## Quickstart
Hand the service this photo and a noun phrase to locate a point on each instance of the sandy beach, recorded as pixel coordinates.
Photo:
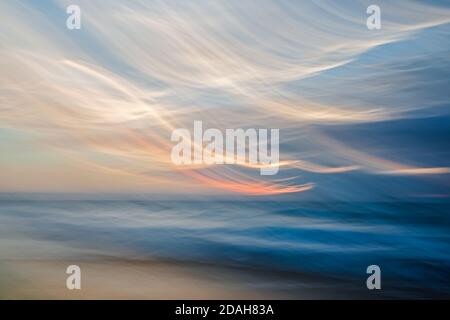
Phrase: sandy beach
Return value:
(121, 279)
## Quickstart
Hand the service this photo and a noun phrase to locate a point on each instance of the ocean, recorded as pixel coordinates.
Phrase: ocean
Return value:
(265, 249)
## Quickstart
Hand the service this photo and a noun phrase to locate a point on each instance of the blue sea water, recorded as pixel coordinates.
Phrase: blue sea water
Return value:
(333, 242)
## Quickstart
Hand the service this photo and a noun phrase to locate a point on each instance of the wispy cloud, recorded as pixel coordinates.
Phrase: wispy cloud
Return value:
(107, 97)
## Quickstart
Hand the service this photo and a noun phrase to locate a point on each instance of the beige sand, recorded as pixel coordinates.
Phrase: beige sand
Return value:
(125, 279)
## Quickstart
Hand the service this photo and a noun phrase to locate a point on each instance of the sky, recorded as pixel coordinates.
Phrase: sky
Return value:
(363, 114)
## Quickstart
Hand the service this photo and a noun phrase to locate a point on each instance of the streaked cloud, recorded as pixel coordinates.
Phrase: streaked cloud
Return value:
(104, 100)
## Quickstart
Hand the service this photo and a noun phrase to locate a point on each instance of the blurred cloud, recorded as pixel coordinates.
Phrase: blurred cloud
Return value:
(102, 102)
